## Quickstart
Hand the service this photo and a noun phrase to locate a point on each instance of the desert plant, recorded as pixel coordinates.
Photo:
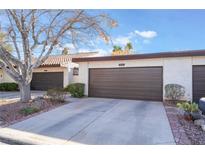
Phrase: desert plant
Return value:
(76, 89)
(174, 92)
(188, 106)
(8, 86)
(191, 110)
(28, 110)
(56, 94)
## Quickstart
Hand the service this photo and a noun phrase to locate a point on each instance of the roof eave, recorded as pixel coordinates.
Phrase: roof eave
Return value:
(50, 65)
(143, 56)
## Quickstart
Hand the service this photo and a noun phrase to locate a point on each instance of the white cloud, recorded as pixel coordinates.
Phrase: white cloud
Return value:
(101, 52)
(123, 40)
(146, 34)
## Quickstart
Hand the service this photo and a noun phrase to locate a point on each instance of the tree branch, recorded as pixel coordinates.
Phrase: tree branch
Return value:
(14, 75)
(11, 30)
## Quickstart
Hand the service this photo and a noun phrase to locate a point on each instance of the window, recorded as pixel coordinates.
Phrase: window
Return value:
(75, 71)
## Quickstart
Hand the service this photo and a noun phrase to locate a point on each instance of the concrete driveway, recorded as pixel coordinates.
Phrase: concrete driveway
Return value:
(103, 121)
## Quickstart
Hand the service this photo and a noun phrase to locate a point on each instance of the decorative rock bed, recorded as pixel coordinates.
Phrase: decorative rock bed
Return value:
(199, 122)
(10, 112)
(185, 132)
(177, 129)
(194, 133)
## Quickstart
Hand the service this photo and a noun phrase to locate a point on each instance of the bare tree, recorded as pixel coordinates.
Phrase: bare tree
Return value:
(35, 34)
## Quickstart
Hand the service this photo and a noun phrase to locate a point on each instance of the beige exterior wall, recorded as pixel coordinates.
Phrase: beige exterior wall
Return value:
(175, 70)
(179, 71)
(83, 75)
(72, 79)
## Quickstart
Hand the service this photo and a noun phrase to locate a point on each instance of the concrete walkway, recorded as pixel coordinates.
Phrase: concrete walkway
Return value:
(103, 121)
(15, 96)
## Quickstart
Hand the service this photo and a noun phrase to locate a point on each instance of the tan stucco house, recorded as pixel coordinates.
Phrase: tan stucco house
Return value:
(137, 76)
(56, 71)
(143, 76)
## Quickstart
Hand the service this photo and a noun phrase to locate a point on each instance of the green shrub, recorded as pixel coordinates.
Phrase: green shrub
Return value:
(188, 106)
(76, 89)
(29, 110)
(56, 94)
(174, 92)
(8, 86)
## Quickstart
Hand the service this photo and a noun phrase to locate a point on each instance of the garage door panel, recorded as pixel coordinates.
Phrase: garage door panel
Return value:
(198, 82)
(129, 83)
(199, 93)
(113, 87)
(133, 89)
(138, 78)
(129, 96)
(47, 80)
(119, 77)
(123, 82)
(119, 73)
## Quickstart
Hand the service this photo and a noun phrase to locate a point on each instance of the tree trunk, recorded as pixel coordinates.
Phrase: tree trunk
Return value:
(25, 92)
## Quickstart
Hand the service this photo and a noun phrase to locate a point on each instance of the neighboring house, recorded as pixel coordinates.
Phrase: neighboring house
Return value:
(56, 71)
(143, 76)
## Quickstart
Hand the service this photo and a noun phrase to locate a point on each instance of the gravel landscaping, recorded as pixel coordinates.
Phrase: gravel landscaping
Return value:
(184, 132)
(11, 112)
(194, 133)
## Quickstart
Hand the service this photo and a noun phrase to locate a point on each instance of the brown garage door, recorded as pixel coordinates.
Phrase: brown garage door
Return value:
(47, 80)
(143, 83)
(198, 82)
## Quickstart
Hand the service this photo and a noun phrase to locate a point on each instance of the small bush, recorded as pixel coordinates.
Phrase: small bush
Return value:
(174, 92)
(76, 89)
(8, 86)
(188, 106)
(56, 94)
(29, 110)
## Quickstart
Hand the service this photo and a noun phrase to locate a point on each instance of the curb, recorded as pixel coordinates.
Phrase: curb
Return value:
(16, 137)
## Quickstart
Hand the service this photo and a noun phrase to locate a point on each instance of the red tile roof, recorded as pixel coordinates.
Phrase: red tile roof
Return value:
(60, 60)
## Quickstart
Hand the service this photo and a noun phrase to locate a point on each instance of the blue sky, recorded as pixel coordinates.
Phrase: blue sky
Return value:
(156, 30)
